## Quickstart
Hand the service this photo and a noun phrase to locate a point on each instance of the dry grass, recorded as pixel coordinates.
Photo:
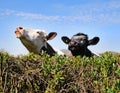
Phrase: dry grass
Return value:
(43, 74)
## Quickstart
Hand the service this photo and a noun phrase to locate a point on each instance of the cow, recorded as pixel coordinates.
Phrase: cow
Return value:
(36, 40)
(78, 44)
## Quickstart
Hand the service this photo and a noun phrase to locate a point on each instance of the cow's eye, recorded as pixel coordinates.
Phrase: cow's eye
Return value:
(83, 39)
(38, 32)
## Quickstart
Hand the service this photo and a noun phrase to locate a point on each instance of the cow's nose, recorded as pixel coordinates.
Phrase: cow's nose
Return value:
(20, 27)
(73, 43)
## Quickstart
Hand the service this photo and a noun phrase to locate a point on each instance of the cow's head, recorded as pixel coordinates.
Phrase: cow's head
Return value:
(33, 40)
(79, 42)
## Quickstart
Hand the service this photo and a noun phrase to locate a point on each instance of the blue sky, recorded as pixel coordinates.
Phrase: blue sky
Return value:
(66, 17)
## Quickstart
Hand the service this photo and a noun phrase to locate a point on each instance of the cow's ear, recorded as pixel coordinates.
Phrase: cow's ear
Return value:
(51, 35)
(65, 39)
(93, 41)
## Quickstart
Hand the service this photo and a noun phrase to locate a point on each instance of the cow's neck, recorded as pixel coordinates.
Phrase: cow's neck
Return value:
(29, 45)
(82, 52)
(48, 49)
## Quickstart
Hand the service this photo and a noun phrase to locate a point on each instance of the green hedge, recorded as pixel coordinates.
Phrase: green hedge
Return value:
(44, 74)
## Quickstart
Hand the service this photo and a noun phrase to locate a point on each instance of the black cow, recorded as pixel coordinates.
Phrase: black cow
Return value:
(78, 44)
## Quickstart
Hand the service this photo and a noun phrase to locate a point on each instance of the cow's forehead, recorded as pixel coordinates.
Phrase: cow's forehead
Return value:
(78, 37)
(28, 30)
(39, 30)
(35, 30)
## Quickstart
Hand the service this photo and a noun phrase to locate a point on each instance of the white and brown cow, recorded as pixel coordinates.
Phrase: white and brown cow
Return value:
(36, 40)
(78, 44)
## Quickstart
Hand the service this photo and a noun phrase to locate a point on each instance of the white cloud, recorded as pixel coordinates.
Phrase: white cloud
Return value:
(6, 12)
(90, 13)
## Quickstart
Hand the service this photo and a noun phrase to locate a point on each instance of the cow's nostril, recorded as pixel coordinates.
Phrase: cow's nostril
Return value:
(20, 27)
(73, 43)
(16, 31)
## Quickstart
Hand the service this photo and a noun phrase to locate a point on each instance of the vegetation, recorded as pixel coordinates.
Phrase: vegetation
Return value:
(44, 74)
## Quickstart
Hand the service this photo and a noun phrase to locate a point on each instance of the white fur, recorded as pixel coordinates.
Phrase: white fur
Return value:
(33, 40)
(58, 51)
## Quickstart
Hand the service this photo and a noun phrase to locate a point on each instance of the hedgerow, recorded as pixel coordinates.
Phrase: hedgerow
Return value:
(59, 74)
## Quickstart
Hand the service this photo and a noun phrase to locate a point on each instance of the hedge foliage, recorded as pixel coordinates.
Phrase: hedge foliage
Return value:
(59, 74)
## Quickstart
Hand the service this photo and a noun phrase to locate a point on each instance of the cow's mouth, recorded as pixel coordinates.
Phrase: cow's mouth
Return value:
(72, 48)
(18, 34)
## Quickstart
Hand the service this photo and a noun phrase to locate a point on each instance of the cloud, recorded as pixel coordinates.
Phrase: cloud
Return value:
(107, 12)
(8, 12)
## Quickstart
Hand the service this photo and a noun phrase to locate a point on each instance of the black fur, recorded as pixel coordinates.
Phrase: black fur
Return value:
(78, 44)
(48, 49)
